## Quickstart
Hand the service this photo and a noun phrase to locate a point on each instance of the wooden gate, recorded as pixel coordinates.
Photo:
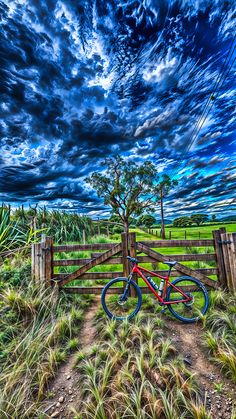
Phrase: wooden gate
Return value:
(223, 245)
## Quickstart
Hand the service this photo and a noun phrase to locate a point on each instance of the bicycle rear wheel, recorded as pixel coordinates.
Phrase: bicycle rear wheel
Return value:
(188, 312)
(121, 299)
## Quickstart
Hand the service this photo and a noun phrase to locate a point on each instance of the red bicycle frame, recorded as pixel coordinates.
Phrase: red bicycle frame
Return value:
(138, 269)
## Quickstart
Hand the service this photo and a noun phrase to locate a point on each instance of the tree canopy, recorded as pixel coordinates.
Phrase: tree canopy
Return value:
(146, 220)
(127, 187)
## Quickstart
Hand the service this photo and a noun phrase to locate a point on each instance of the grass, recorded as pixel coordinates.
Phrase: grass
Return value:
(220, 336)
(132, 372)
(136, 373)
(193, 232)
(38, 331)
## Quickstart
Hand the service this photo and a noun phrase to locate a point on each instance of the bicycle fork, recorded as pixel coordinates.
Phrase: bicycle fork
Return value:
(124, 296)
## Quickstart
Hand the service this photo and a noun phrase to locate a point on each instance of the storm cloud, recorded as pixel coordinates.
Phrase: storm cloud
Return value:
(83, 80)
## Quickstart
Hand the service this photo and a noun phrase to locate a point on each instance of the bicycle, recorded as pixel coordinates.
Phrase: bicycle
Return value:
(186, 297)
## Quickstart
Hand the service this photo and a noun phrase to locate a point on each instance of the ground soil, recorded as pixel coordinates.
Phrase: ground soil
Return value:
(189, 343)
(65, 383)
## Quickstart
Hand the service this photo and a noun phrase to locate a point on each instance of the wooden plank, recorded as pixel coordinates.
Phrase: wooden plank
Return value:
(178, 243)
(104, 256)
(219, 258)
(79, 247)
(179, 267)
(180, 258)
(114, 290)
(233, 261)
(132, 245)
(153, 243)
(224, 238)
(109, 275)
(93, 276)
(38, 255)
(230, 249)
(80, 262)
(42, 269)
(90, 290)
(48, 260)
(125, 253)
(33, 261)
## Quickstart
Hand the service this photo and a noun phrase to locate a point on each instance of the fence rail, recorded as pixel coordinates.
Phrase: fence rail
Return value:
(46, 262)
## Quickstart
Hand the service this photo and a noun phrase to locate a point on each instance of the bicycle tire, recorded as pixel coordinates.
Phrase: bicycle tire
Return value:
(171, 290)
(104, 295)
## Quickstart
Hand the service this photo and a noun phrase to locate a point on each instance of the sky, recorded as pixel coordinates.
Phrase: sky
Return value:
(145, 79)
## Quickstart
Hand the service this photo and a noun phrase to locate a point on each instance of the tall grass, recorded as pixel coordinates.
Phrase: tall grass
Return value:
(10, 234)
(61, 225)
(20, 227)
(220, 337)
(37, 333)
(13, 233)
(135, 373)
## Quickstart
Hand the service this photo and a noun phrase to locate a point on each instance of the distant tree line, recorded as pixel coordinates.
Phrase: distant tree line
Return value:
(196, 219)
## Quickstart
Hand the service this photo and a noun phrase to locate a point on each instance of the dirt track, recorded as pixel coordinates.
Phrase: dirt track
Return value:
(189, 343)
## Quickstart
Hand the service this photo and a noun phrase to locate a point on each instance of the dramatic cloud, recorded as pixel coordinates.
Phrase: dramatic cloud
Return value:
(82, 80)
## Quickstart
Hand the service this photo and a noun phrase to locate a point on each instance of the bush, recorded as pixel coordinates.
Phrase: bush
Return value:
(15, 275)
(117, 229)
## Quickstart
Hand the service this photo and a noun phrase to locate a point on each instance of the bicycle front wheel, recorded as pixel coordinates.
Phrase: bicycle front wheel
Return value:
(121, 299)
(188, 312)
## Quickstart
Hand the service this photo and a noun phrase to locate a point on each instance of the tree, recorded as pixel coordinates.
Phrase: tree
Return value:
(128, 188)
(213, 217)
(163, 188)
(199, 218)
(146, 220)
(182, 222)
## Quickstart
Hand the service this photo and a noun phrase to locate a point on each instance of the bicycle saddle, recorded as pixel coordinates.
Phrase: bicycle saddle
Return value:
(170, 263)
(132, 259)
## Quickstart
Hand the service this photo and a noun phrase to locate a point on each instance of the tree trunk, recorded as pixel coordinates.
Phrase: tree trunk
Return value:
(163, 236)
(126, 226)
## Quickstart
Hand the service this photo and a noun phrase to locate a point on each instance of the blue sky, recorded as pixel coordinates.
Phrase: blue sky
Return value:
(83, 80)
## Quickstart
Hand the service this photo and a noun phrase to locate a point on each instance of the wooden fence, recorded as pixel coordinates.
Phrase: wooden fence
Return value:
(221, 251)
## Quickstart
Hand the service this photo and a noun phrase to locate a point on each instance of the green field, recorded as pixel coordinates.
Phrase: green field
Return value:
(205, 231)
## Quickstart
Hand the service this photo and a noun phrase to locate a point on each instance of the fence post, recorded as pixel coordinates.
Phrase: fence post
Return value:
(84, 237)
(35, 261)
(229, 249)
(46, 260)
(219, 258)
(132, 245)
(125, 253)
(233, 260)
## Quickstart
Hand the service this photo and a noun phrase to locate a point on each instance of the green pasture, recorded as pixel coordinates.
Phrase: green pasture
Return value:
(193, 232)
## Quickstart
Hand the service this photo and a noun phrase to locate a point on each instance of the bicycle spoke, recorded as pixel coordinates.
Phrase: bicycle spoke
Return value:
(193, 308)
(121, 304)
